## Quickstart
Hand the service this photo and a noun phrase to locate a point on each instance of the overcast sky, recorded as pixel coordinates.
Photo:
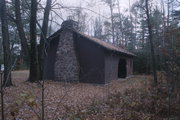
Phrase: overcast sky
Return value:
(95, 5)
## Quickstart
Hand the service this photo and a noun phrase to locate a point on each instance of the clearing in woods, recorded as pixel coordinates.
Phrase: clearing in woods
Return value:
(24, 98)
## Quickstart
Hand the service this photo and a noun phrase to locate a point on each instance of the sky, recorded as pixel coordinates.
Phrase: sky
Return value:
(97, 6)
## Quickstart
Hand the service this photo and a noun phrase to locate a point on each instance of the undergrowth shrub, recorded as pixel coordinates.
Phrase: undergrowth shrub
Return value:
(135, 104)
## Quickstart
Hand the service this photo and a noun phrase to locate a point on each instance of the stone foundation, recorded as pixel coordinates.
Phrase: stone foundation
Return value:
(66, 65)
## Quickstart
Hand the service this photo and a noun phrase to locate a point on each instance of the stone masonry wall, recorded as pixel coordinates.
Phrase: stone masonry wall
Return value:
(66, 65)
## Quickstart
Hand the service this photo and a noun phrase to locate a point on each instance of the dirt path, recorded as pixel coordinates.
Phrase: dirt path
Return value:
(60, 96)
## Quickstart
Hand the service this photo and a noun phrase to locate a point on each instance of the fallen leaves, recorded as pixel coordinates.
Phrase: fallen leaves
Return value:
(62, 100)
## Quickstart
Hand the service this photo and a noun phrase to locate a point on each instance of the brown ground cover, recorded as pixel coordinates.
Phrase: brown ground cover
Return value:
(23, 100)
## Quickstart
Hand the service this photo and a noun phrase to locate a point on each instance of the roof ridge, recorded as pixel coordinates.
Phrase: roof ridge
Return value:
(106, 44)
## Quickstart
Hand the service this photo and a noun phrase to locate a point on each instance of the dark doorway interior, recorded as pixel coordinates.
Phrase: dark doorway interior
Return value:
(122, 68)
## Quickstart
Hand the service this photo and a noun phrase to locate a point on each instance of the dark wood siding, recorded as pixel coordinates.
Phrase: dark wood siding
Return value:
(50, 59)
(91, 60)
(129, 66)
(111, 66)
(97, 64)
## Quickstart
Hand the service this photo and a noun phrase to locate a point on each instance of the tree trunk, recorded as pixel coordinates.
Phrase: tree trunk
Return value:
(151, 43)
(34, 72)
(120, 20)
(168, 12)
(112, 21)
(1, 51)
(24, 44)
(43, 38)
(6, 45)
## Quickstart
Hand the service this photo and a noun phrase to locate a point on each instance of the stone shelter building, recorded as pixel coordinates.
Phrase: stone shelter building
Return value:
(75, 56)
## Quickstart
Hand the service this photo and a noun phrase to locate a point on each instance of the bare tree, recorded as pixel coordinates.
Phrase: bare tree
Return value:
(2, 95)
(120, 20)
(34, 69)
(110, 3)
(98, 28)
(6, 45)
(1, 50)
(151, 42)
(43, 37)
(24, 44)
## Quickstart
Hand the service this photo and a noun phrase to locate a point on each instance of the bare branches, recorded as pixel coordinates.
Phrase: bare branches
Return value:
(178, 1)
(57, 14)
(139, 5)
(72, 8)
(51, 21)
(12, 18)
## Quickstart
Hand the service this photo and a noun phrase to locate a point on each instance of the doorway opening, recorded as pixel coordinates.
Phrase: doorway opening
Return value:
(122, 72)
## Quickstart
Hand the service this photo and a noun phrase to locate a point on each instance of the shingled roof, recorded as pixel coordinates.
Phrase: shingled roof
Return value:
(106, 45)
(102, 43)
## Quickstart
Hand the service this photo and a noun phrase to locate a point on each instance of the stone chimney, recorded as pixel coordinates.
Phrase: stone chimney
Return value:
(71, 24)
